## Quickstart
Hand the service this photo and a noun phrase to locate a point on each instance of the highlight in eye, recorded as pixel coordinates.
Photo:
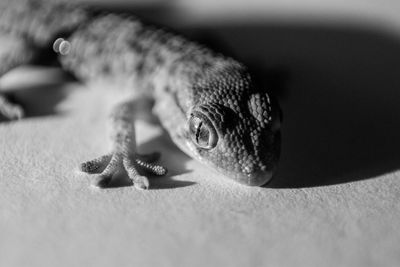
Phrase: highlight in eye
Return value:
(202, 131)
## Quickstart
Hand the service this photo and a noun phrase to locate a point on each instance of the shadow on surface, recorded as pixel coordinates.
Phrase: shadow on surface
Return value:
(341, 108)
(171, 157)
(156, 183)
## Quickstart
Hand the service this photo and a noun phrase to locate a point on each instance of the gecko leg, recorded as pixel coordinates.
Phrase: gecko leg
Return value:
(10, 111)
(14, 51)
(124, 157)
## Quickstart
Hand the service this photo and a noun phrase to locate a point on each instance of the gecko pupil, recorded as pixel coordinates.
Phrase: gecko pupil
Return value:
(198, 126)
(201, 133)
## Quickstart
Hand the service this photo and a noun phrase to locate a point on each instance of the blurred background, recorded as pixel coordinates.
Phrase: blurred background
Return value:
(208, 12)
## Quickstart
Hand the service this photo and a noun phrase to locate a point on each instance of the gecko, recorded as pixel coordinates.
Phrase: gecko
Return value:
(210, 104)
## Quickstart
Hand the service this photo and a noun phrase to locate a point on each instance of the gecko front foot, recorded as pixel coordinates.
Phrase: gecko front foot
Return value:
(10, 111)
(134, 166)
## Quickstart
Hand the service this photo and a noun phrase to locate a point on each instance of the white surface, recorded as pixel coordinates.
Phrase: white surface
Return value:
(50, 216)
(340, 135)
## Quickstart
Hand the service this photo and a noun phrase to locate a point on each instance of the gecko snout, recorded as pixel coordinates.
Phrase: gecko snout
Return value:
(256, 178)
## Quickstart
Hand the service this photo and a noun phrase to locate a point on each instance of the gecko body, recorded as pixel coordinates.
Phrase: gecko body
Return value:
(208, 103)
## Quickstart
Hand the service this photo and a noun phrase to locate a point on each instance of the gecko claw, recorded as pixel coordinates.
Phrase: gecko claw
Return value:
(142, 183)
(110, 165)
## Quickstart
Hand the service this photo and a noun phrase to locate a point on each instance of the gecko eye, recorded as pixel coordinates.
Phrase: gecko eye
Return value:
(62, 46)
(202, 131)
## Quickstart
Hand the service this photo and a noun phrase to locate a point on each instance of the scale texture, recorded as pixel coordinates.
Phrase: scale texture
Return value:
(209, 104)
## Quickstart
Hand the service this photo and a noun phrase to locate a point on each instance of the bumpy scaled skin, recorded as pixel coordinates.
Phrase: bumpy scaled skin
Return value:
(208, 103)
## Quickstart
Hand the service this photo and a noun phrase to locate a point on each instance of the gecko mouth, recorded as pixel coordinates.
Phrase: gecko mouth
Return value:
(254, 178)
(257, 178)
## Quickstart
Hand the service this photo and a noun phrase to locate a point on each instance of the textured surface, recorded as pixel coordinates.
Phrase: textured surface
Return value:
(51, 216)
(341, 126)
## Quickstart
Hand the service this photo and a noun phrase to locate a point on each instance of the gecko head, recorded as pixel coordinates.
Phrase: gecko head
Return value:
(236, 129)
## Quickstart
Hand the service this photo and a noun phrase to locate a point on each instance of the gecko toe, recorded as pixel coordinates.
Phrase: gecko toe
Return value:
(108, 166)
(96, 165)
(150, 168)
(141, 182)
(10, 111)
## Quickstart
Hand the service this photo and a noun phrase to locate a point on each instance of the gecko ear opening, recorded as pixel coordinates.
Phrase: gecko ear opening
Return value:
(202, 131)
